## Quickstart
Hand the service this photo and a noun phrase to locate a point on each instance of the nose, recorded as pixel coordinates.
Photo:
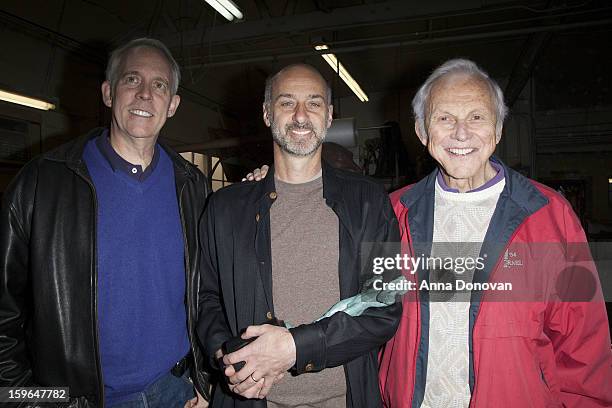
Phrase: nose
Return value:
(300, 115)
(144, 91)
(461, 133)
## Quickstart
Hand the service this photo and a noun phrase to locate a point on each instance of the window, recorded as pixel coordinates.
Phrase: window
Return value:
(198, 159)
(208, 164)
(218, 178)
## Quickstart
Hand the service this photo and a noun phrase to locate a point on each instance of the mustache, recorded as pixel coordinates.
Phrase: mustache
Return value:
(299, 126)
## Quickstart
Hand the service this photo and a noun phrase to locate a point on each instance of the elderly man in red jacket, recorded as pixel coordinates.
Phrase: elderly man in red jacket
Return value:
(542, 341)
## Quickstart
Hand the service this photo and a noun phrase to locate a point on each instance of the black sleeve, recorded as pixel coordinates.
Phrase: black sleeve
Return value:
(15, 365)
(340, 338)
(213, 329)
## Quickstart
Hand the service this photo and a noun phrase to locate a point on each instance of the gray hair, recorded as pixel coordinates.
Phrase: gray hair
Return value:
(459, 67)
(117, 55)
(272, 78)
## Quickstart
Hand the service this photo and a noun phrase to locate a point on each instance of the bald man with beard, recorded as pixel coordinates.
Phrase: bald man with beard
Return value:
(287, 248)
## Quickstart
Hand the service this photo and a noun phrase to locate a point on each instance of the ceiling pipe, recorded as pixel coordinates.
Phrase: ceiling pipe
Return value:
(382, 38)
(395, 44)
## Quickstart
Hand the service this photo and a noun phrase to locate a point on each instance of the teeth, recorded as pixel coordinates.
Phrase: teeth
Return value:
(142, 113)
(461, 152)
(301, 132)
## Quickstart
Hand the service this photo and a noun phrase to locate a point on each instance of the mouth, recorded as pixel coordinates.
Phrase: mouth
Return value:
(301, 132)
(141, 113)
(460, 152)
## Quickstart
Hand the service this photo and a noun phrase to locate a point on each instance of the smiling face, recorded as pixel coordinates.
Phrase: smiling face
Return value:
(298, 114)
(460, 123)
(142, 100)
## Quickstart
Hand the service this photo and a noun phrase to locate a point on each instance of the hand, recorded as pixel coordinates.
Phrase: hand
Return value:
(257, 389)
(257, 174)
(197, 402)
(251, 392)
(267, 359)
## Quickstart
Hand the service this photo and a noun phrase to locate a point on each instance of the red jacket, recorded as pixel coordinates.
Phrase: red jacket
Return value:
(532, 351)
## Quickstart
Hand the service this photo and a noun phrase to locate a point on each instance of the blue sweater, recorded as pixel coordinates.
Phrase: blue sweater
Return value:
(141, 275)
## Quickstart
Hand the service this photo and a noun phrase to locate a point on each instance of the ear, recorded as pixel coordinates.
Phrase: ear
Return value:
(106, 94)
(422, 138)
(498, 138)
(266, 116)
(174, 104)
(330, 116)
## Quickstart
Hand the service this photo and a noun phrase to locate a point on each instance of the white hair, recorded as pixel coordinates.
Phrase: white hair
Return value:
(117, 56)
(458, 67)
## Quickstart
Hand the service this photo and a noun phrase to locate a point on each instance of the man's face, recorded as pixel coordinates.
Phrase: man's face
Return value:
(142, 99)
(460, 123)
(298, 115)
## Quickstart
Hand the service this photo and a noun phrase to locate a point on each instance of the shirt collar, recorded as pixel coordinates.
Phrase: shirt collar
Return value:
(118, 163)
(498, 177)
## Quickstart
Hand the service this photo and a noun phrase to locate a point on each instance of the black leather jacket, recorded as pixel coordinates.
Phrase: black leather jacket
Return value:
(48, 273)
(237, 280)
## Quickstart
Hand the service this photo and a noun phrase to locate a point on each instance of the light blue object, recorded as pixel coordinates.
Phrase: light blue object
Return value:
(356, 305)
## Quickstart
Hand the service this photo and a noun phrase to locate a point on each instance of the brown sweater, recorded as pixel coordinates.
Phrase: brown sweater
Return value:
(304, 235)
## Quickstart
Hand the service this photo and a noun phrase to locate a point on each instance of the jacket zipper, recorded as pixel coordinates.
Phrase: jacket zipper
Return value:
(95, 288)
(472, 403)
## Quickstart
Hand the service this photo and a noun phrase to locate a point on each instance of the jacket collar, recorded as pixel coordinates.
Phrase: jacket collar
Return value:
(518, 188)
(331, 185)
(521, 190)
(72, 153)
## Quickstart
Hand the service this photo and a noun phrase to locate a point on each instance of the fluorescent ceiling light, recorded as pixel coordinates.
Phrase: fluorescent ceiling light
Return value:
(25, 101)
(343, 73)
(227, 8)
(232, 8)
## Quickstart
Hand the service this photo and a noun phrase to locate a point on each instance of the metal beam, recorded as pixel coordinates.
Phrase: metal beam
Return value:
(339, 18)
(525, 65)
(170, 23)
(262, 9)
(445, 39)
(53, 37)
(290, 7)
(94, 55)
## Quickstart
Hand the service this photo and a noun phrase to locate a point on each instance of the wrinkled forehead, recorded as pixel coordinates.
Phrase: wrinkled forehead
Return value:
(457, 88)
(146, 60)
(299, 81)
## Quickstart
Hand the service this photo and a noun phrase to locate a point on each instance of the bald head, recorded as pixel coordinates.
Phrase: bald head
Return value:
(294, 69)
(297, 110)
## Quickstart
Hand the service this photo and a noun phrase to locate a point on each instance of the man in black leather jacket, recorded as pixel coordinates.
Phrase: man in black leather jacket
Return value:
(79, 303)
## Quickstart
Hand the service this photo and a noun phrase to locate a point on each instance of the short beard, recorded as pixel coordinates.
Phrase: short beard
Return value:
(297, 149)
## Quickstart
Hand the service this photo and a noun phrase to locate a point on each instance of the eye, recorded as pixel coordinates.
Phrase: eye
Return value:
(132, 79)
(286, 104)
(315, 104)
(160, 86)
(477, 116)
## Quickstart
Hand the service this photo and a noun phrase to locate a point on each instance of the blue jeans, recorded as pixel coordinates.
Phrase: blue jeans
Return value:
(167, 392)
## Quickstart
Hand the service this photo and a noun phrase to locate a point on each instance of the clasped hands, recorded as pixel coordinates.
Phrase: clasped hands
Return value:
(267, 360)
